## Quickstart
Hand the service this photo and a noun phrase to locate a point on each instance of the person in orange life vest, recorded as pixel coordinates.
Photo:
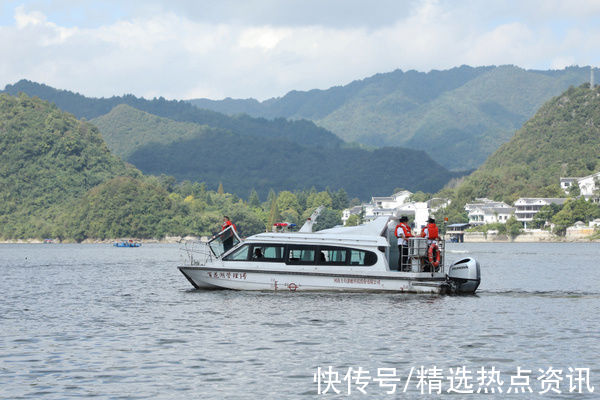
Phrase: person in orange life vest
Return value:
(226, 223)
(403, 232)
(228, 241)
(430, 231)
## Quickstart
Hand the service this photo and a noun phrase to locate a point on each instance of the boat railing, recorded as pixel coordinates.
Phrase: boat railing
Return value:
(418, 259)
(198, 252)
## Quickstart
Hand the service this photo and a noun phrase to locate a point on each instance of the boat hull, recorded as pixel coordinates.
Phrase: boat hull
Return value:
(214, 278)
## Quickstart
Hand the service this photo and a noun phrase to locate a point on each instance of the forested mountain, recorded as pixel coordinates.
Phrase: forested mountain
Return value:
(241, 163)
(126, 129)
(48, 158)
(459, 116)
(562, 139)
(302, 132)
(59, 180)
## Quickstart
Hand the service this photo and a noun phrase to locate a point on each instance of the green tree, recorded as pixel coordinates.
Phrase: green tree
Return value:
(253, 200)
(287, 200)
(574, 190)
(339, 200)
(353, 220)
(419, 196)
(319, 199)
(328, 219)
(274, 215)
(545, 215)
(513, 227)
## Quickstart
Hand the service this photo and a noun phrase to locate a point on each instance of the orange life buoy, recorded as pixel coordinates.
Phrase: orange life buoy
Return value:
(434, 247)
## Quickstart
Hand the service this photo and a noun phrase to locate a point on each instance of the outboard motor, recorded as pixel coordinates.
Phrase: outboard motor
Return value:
(464, 276)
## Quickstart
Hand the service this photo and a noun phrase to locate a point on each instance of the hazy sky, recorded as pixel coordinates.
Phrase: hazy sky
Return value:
(265, 48)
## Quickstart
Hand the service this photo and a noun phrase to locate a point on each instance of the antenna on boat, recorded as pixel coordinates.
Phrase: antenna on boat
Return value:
(307, 227)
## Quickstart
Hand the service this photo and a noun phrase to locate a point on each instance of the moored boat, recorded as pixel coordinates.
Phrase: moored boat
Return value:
(360, 258)
(127, 243)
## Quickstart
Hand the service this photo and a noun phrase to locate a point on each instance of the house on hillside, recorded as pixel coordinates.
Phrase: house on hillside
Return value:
(485, 211)
(527, 207)
(393, 201)
(588, 186)
(436, 203)
(356, 210)
(378, 206)
(381, 206)
(483, 202)
(397, 204)
(567, 183)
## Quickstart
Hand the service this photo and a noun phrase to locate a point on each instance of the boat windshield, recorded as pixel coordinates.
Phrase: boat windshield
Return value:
(224, 241)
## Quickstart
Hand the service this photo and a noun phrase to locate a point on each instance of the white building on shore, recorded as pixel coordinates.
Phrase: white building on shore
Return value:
(356, 210)
(588, 186)
(396, 204)
(485, 211)
(393, 201)
(527, 207)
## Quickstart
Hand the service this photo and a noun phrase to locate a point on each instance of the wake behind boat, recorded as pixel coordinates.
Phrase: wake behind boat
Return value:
(358, 258)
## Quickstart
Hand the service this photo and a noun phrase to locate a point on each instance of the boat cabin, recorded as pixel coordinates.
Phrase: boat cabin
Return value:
(361, 246)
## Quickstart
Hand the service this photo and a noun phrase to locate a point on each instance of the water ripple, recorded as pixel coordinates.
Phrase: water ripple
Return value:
(92, 321)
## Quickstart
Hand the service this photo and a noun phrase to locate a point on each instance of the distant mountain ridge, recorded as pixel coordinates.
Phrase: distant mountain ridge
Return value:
(243, 153)
(459, 116)
(189, 151)
(302, 132)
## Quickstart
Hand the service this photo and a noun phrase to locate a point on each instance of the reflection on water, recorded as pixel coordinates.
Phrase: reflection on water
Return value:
(93, 320)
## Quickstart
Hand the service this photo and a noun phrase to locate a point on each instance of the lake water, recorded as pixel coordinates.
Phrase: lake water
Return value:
(104, 322)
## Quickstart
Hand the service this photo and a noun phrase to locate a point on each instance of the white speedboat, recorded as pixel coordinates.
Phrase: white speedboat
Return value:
(360, 258)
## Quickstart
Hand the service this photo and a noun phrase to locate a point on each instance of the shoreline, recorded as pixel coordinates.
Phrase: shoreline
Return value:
(537, 236)
(165, 240)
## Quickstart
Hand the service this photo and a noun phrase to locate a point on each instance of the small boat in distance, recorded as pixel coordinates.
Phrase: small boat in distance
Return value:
(358, 258)
(127, 243)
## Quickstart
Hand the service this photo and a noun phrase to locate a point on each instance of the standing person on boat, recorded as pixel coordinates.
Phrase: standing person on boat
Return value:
(430, 231)
(228, 241)
(403, 232)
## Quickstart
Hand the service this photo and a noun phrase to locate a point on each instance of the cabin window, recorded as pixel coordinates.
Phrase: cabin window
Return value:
(240, 254)
(301, 255)
(361, 257)
(332, 256)
(267, 252)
